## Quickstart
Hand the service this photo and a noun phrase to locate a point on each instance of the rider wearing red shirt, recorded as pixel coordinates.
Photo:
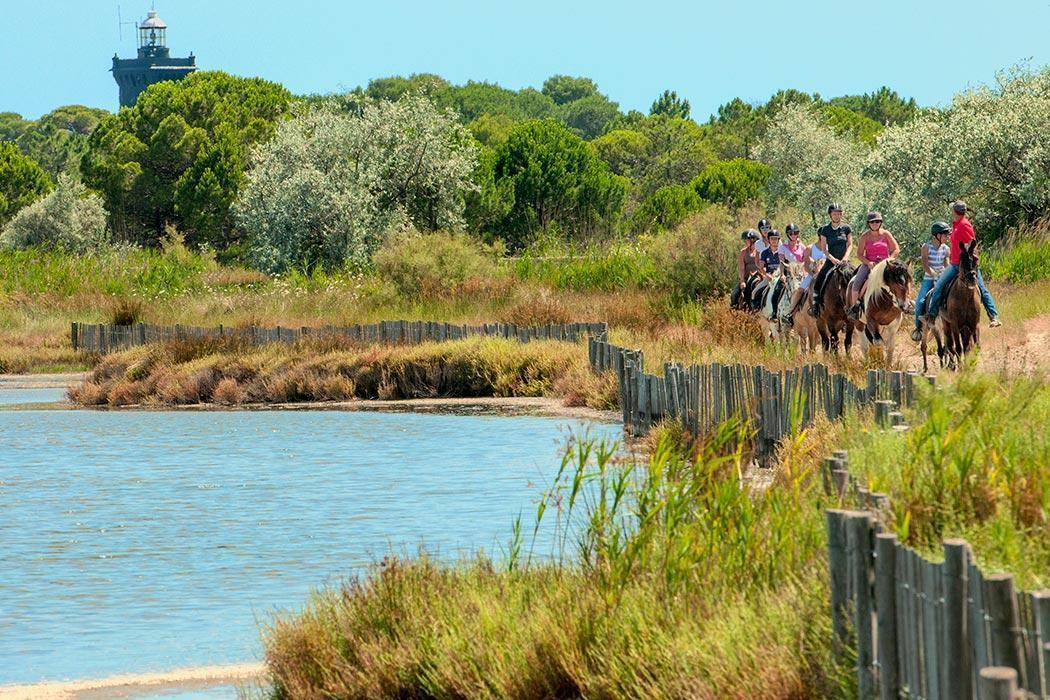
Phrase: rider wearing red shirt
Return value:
(962, 234)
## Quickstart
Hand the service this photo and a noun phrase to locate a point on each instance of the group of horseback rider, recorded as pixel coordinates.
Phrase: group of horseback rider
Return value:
(764, 254)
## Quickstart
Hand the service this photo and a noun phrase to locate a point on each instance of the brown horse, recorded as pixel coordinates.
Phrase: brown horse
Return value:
(957, 329)
(887, 298)
(805, 326)
(832, 318)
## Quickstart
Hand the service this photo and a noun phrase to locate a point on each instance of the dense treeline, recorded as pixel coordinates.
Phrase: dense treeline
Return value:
(210, 156)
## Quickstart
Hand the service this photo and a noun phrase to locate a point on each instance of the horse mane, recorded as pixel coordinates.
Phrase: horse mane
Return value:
(877, 279)
(876, 282)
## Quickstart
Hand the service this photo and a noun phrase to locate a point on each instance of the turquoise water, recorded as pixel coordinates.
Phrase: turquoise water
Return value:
(144, 541)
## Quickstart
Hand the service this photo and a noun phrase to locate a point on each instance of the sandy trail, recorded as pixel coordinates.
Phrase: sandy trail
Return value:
(134, 684)
(1018, 347)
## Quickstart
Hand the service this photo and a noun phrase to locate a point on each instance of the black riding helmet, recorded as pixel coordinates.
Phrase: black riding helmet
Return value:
(834, 206)
(940, 228)
(764, 225)
(791, 228)
(749, 235)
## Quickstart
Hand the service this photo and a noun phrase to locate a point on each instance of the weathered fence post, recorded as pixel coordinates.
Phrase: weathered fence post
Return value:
(997, 683)
(956, 666)
(858, 547)
(837, 569)
(1001, 604)
(886, 615)
(1041, 612)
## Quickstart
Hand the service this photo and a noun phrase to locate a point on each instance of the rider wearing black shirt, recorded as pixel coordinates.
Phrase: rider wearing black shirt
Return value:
(836, 240)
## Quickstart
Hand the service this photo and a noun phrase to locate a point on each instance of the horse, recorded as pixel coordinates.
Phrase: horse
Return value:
(742, 300)
(832, 318)
(887, 298)
(804, 325)
(957, 328)
(775, 300)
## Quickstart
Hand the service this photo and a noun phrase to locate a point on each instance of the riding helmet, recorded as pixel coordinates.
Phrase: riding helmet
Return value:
(749, 235)
(834, 206)
(764, 225)
(959, 207)
(940, 228)
(874, 216)
(774, 234)
(791, 228)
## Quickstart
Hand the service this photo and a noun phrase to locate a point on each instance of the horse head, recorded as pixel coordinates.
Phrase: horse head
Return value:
(968, 260)
(897, 278)
(890, 277)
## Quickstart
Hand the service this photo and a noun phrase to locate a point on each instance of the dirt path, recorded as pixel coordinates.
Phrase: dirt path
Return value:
(1015, 348)
(133, 684)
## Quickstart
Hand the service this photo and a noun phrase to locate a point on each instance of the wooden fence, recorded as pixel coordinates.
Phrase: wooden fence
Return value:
(103, 338)
(925, 629)
(701, 396)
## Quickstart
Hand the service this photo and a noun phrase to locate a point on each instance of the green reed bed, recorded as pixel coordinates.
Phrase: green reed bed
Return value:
(973, 465)
(668, 579)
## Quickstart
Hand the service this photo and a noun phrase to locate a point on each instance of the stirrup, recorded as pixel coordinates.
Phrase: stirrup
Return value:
(854, 312)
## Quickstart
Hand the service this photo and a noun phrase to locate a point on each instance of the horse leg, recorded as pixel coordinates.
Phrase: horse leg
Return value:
(849, 337)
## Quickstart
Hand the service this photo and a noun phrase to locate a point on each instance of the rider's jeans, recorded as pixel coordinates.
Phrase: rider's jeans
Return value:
(947, 276)
(920, 301)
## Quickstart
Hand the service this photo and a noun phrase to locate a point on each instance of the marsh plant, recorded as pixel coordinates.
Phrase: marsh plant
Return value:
(669, 577)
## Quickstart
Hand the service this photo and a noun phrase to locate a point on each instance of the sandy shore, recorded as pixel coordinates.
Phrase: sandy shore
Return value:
(41, 381)
(131, 685)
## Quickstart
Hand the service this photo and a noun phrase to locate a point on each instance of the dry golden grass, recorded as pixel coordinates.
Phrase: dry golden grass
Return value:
(228, 372)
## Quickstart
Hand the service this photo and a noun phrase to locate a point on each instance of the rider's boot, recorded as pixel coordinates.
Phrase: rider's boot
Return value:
(916, 335)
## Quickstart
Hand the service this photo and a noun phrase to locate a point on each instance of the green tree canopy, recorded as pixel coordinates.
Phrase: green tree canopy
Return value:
(22, 181)
(331, 183)
(884, 106)
(670, 104)
(666, 208)
(557, 180)
(732, 182)
(588, 116)
(564, 88)
(395, 86)
(178, 156)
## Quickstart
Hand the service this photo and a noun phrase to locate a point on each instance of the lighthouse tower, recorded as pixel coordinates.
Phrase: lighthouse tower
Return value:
(153, 64)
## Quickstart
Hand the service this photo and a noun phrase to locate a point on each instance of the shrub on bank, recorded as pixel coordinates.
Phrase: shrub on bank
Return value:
(698, 258)
(433, 264)
(70, 218)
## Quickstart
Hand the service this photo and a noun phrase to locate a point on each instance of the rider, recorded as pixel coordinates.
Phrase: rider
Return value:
(747, 263)
(795, 251)
(835, 241)
(770, 260)
(875, 245)
(934, 258)
(764, 227)
(962, 234)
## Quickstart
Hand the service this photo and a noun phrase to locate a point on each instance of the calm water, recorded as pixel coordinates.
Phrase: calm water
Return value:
(135, 541)
(13, 396)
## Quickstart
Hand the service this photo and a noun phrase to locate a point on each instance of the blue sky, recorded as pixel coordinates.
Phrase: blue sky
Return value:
(58, 52)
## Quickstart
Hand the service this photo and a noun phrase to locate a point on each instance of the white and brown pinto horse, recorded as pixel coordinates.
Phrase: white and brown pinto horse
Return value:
(774, 301)
(887, 299)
